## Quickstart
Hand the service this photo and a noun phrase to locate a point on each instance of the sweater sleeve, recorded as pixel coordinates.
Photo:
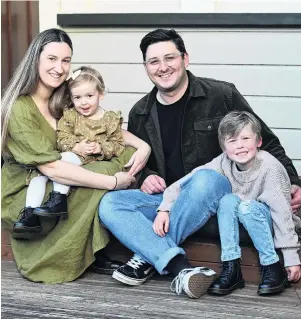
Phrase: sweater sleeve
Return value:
(276, 194)
(172, 192)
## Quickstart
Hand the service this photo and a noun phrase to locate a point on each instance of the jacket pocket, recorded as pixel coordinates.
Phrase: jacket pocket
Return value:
(207, 125)
(207, 138)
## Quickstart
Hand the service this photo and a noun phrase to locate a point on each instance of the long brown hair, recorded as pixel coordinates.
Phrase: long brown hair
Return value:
(26, 77)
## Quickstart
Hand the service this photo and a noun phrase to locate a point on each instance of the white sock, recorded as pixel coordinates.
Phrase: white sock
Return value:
(70, 158)
(36, 191)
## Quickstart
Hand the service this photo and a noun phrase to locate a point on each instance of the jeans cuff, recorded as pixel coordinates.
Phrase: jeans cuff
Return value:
(231, 257)
(167, 257)
(269, 261)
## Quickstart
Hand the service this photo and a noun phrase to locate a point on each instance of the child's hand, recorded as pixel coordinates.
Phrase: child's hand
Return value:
(124, 180)
(139, 159)
(97, 148)
(84, 148)
(161, 223)
(293, 272)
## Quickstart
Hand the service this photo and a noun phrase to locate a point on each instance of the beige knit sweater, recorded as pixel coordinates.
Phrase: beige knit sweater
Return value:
(267, 182)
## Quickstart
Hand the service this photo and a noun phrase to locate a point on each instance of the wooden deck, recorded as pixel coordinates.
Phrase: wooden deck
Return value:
(100, 296)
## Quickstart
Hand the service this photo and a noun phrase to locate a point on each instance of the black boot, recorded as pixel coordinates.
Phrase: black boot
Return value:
(103, 264)
(56, 205)
(229, 279)
(28, 222)
(273, 279)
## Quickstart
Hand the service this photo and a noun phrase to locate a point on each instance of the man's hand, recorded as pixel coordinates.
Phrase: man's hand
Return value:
(138, 159)
(161, 223)
(294, 273)
(153, 184)
(296, 198)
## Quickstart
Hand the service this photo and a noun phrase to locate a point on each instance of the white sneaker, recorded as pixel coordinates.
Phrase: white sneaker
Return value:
(194, 281)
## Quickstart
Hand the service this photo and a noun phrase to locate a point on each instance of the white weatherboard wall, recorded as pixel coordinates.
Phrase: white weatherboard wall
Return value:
(264, 64)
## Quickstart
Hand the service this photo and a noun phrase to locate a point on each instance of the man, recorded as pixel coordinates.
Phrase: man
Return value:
(179, 119)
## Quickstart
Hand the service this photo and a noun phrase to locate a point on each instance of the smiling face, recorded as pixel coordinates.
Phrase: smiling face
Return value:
(54, 64)
(85, 98)
(242, 148)
(167, 78)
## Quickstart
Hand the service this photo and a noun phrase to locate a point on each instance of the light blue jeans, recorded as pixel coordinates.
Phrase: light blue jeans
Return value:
(256, 219)
(129, 215)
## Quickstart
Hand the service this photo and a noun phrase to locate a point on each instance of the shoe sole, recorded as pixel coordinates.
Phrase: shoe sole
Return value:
(198, 285)
(63, 214)
(275, 290)
(217, 291)
(130, 281)
(21, 230)
(102, 271)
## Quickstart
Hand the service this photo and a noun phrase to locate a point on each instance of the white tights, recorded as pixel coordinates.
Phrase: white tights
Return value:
(37, 186)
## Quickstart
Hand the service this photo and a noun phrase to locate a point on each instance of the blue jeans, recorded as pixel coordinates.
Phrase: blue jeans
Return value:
(256, 219)
(129, 215)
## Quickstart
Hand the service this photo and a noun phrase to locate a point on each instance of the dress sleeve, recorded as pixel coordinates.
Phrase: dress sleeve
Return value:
(66, 139)
(26, 140)
(114, 144)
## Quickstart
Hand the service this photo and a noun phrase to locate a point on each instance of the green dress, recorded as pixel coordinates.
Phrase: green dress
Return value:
(65, 248)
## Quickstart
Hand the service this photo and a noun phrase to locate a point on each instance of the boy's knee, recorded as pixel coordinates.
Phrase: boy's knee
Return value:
(250, 210)
(230, 200)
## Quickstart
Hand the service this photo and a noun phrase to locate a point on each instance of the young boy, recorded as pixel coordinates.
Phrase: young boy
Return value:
(260, 200)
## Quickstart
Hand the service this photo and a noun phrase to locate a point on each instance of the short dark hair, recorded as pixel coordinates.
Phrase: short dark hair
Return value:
(161, 35)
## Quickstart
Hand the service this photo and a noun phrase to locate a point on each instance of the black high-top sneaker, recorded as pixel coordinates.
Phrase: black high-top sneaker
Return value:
(27, 222)
(273, 279)
(229, 279)
(56, 205)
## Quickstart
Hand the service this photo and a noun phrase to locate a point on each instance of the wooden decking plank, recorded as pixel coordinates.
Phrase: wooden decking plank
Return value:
(99, 296)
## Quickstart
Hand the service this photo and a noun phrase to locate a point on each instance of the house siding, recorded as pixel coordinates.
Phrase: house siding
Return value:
(263, 63)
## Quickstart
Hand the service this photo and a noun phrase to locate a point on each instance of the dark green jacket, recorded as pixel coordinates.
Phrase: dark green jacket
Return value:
(208, 102)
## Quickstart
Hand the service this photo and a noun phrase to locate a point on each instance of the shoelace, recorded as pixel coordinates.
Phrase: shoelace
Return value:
(267, 272)
(136, 262)
(178, 282)
(23, 213)
(226, 271)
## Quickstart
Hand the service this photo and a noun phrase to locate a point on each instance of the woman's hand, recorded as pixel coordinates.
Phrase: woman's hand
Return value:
(138, 159)
(294, 273)
(161, 223)
(124, 180)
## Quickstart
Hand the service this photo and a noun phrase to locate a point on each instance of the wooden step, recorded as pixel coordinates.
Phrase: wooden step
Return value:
(200, 252)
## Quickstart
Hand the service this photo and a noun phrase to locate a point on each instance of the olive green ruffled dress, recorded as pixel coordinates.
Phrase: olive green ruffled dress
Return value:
(65, 248)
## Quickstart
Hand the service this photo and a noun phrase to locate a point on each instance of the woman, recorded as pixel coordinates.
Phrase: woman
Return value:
(31, 105)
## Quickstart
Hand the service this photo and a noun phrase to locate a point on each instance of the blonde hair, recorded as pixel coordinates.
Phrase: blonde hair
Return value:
(233, 123)
(86, 74)
(26, 77)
